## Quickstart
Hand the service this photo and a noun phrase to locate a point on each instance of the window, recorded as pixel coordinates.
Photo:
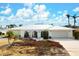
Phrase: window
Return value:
(35, 34)
(26, 35)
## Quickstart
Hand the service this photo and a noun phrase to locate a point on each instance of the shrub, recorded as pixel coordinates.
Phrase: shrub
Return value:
(76, 34)
(10, 34)
(0, 33)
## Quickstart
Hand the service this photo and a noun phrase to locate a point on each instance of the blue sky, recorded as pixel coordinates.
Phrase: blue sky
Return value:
(37, 13)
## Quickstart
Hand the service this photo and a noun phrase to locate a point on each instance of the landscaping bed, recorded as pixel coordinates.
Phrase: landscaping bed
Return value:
(34, 48)
(76, 34)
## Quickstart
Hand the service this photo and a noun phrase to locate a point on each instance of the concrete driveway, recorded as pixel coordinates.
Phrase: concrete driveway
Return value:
(71, 45)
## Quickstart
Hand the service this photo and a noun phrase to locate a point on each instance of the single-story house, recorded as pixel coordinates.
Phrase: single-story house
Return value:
(3, 30)
(40, 31)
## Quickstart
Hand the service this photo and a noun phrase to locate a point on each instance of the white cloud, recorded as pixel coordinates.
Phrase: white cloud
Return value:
(44, 15)
(76, 9)
(6, 11)
(41, 16)
(22, 16)
(65, 13)
(77, 21)
(57, 18)
(12, 17)
(41, 12)
(60, 20)
(59, 12)
(54, 15)
(39, 8)
(1, 18)
(26, 13)
(35, 16)
(20, 12)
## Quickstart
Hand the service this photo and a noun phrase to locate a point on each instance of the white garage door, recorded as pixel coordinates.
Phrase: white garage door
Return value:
(60, 34)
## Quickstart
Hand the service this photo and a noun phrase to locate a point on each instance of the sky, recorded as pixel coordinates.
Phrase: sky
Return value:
(38, 13)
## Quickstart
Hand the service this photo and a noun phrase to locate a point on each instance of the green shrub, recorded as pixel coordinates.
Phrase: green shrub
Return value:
(76, 34)
(10, 34)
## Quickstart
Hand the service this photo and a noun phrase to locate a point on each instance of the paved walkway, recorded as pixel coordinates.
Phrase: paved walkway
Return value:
(71, 45)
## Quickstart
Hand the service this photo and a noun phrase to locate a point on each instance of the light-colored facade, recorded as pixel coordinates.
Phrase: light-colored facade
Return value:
(53, 31)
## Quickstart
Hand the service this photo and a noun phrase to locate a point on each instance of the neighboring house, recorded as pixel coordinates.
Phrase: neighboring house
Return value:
(39, 31)
(3, 30)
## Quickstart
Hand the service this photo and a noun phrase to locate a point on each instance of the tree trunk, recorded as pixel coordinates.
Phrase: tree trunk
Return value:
(68, 22)
(74, 22)
(9, 41)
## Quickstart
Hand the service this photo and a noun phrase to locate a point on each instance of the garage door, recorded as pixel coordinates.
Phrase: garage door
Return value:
(60, 34)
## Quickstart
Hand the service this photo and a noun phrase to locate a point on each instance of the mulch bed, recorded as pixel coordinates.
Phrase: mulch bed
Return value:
(38, 44)
(35, 48)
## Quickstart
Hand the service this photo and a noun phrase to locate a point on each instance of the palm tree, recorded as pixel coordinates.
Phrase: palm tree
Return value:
(74, 17)
(20, 25)
(68, 16)
(11, 26)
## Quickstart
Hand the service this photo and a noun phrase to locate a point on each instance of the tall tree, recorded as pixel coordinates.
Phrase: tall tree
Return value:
(20, 25)
(11, 26)
(68, 16)
(74, 17)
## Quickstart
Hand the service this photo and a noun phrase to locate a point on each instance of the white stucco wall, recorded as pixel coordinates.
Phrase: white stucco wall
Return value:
(50, 34)
(70, 33)
(39, 34)
(53, 33)
(30, 33)
(22, 33)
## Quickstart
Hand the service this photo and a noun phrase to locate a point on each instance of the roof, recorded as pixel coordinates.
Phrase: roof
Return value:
(60, 28)
(41, 27)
